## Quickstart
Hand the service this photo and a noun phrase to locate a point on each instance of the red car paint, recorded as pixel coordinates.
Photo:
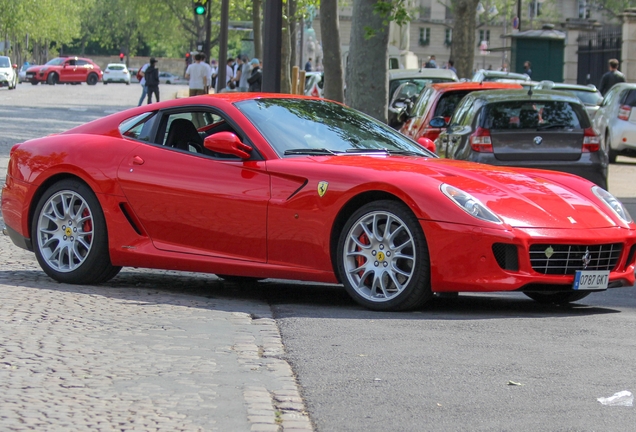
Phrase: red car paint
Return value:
(418, 126)
(265, 218)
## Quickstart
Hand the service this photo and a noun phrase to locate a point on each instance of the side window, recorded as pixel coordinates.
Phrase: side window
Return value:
(609, 97)
(460, 114)
(81, 62)
(138, 127)
(423, 102)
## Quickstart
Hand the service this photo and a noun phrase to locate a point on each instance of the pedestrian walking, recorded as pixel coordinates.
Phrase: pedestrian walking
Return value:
(214, 72)
(611, 77)
(256, 77)
(152, 80)
(243, 73)
(197, 76)
(308, 66)
(526, 68)
(142, 81)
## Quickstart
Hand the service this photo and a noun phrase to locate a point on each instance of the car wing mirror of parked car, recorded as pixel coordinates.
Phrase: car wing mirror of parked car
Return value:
(427, 144)
(14, 66)
(227, 143)
(438, 122)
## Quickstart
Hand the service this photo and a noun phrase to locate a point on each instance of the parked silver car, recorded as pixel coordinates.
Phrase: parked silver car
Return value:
(588, 94)
(615, 121)
(544, 129)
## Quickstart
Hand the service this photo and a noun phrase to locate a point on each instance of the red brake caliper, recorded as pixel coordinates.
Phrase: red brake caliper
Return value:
(88, 224)
(360, 260)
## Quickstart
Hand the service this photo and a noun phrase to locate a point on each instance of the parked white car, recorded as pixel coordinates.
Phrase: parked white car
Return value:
(8, 73)
(116, 72)
(615, 121)
(168, 78)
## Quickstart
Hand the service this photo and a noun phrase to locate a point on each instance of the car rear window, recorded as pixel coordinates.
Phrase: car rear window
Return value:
(116, 67)
(630, 98)
(4, 62)
(587, 97)
(532, 115)
(448, 102)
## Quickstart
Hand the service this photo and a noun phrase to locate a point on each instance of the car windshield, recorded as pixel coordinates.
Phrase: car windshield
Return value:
(301, 126)
(539, 115)
(4, 62)
(587, 97)
(56, 61)
(419, 82)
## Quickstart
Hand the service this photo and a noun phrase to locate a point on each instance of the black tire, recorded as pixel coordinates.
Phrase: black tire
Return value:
(402, 260)
(52, 79)
(35, 82)
(105, 82)
(557, 297)
(168, 82)
(82, 235)
(611, 153)
(92, 79)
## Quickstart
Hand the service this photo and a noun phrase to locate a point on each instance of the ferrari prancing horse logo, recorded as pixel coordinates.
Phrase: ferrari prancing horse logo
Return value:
(322, 188)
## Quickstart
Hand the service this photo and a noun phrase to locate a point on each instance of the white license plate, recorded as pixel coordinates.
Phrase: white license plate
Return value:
(591, 280)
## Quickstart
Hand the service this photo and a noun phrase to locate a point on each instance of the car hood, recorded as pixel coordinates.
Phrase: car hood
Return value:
(522, 198)
(6, 70)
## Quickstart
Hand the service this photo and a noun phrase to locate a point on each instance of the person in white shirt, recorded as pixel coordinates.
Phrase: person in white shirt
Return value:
(144, 89)
(213, 71)
(197, 74)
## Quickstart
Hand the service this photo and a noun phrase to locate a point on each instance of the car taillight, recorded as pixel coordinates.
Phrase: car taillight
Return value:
(314, 91)
(624, 112)
(591, 141)
(480, 141)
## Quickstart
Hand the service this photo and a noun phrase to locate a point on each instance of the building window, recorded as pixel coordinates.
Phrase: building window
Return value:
(584, 9)
(448, 37)
(534, 9)
(484, 35)
(425, 35)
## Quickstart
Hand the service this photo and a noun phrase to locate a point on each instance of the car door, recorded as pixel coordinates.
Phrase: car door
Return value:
(193, 202)
(68, 71)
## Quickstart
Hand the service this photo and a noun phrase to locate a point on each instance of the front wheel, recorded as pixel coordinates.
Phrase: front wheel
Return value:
(611, 153)
(382, 258)
(35, 82)
(69, 235)
(52, 79)
(557, 297)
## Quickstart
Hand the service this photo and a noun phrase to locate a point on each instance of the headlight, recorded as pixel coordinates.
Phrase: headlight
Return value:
(469, 204)
(612, 203)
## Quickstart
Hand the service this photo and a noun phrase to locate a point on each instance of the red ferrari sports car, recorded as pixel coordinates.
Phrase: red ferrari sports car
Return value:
(257, 186)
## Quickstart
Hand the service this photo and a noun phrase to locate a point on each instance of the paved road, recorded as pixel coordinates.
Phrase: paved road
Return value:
(176, 351)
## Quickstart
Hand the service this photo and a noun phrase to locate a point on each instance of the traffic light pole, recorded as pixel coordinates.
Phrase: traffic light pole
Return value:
(208, 33)
(273, 36)
(221, 80)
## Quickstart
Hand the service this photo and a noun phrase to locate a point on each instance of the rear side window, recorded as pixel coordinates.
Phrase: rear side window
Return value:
(447, 104)
(541, 115)
(629, 98)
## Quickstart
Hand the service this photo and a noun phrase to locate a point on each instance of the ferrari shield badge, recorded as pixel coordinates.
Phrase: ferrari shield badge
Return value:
(322, 188)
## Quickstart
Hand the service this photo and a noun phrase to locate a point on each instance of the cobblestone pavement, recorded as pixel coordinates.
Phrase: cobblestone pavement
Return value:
(149, 351)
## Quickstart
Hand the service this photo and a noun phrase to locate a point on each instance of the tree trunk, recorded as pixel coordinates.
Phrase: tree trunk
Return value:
(367, 82)
(285, 52)
(464, 36)
(256, 29)
(332, 61)
(293, 32)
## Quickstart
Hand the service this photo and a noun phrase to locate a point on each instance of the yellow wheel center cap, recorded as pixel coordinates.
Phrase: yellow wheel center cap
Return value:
(380, 256)
(68, 231)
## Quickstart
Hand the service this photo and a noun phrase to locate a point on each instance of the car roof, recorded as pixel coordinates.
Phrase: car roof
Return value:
(516, 95)
(503, 74)
(115, 64)
(472, 85)
(421, 73)
(564, 86)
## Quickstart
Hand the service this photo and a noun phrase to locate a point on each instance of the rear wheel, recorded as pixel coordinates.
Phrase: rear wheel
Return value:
(69, 235)
(558, 297)
(382, 258)
(92, 79)
(52, 79)
(35, 82)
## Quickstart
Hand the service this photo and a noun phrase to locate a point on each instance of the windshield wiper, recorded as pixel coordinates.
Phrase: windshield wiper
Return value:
(310, 151)
(387, 151)
(555, 126)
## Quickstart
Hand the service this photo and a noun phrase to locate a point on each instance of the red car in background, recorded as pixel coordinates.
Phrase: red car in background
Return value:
(440, 100)
(62, 70)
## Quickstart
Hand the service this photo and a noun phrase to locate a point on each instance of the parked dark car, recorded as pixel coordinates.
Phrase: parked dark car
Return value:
(541, 129)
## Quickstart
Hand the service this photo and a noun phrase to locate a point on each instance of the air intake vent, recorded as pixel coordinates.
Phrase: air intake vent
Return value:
(506, 256)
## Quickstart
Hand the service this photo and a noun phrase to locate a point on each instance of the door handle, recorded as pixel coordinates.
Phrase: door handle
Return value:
(137, 160)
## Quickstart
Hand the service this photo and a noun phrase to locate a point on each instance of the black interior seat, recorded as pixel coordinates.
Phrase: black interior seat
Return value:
(183, 134)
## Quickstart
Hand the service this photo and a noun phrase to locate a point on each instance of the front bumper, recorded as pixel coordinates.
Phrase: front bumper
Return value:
(462, 257)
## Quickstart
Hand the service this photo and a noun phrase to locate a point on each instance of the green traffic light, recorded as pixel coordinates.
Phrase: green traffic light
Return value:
(199, 9)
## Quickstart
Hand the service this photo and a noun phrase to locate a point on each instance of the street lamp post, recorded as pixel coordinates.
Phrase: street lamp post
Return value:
(272, 49)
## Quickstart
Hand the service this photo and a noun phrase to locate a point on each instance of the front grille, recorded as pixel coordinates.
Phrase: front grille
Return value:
(567, 259)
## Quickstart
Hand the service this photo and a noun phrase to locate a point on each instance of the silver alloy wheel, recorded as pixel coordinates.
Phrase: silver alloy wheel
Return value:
(379, 256)
(65, 231)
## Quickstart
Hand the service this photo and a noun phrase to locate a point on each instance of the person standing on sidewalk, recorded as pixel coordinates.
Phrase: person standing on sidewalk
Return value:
(613, 76)
(142, 81)
(152, 80)
(197, 75)
(256, 78)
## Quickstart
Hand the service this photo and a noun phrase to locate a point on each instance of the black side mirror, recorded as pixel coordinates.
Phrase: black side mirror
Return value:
(438, 122)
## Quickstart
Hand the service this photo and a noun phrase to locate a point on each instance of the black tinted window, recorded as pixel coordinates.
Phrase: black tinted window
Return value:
(448, 102)
(630, 98)
(531, 115)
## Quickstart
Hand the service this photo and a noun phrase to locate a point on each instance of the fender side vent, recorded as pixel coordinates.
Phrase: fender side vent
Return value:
(506, 255)
(134, 223)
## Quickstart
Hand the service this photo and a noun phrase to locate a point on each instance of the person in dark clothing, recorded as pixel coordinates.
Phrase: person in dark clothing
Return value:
(526, 68)
(308, 66)
(256, 78)
(613, 76)
(152, 80)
